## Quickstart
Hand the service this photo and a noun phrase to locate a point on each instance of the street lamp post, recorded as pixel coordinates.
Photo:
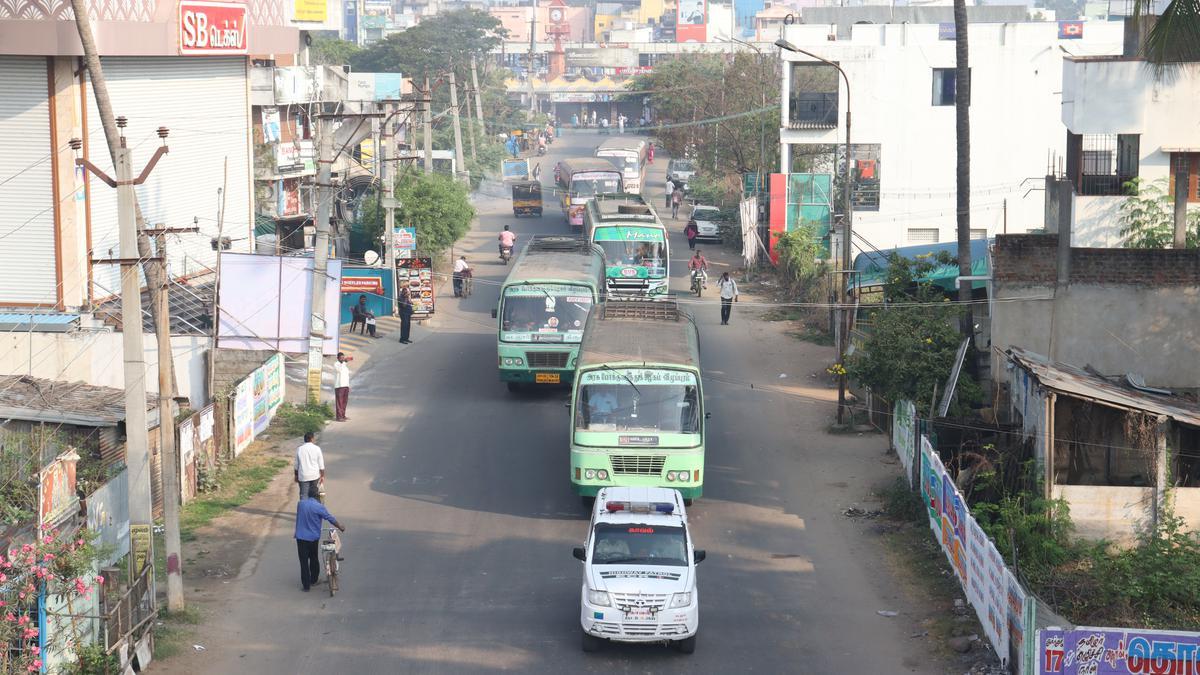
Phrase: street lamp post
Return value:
(843, 299)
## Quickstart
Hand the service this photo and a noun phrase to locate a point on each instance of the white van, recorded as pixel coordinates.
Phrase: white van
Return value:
(639, 574)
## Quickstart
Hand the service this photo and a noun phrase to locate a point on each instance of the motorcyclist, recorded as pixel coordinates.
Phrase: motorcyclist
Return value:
(507, 240)
(699, 267)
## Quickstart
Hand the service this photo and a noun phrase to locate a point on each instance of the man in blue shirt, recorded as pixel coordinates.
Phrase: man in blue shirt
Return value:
(309, 514)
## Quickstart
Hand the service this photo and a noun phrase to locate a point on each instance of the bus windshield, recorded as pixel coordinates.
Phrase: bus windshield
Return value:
(633, 543)
(590, 187)
(638, 399)
(544, 313)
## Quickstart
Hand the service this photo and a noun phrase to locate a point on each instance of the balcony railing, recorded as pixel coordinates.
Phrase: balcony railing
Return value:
(813, 110)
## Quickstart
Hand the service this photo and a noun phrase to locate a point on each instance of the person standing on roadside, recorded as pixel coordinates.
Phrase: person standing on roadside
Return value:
(729, 295)
(670, 191)
(406, 312)
(690, 231)
(309, 467)
(676, 201)
(341, 386)
(309, 514)
(650, 154)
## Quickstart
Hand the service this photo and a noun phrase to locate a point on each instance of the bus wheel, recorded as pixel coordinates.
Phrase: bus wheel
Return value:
(514, 387)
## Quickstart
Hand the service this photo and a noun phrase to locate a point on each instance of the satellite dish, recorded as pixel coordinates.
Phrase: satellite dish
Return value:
(370, 257)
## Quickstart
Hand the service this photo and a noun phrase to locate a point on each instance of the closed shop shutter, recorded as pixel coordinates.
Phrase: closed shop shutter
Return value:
(203, 101)
(27, 252)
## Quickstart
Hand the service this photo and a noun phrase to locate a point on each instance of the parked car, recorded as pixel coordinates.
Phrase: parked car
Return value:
(707, 223)
(681, 172)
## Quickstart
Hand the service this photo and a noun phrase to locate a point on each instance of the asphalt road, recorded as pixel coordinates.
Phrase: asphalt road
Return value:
(461, 519)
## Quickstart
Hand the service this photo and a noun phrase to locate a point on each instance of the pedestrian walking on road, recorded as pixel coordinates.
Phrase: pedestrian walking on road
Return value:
(406, 312)
(341, 386)
(670, 191)
(309, 466)
(690, 232)
(309, 514)
(676, 201)
(650, 154)
(729, 295)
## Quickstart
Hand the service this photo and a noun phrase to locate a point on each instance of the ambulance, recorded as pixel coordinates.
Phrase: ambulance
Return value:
(639, 570)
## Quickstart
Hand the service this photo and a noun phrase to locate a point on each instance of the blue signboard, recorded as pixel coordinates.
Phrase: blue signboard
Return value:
(350, 21)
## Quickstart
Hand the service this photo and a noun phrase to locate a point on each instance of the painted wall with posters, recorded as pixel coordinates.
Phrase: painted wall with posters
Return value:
(256, 399)
(904, 438)
(1118, 651)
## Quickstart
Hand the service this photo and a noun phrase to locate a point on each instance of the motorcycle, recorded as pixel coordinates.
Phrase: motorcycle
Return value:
(699, 279)
(541, 150)
(506, 253)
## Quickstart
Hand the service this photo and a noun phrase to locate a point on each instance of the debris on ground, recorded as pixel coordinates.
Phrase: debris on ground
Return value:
(887, 612)
(855, 512)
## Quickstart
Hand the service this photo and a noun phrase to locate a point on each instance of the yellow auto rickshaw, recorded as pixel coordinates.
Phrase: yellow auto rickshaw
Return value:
(527, 198)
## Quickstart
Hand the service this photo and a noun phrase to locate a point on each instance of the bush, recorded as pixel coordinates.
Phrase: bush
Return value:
(294, 420)
(94, 660)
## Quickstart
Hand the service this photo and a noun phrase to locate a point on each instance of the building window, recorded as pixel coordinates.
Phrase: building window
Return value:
(1102, 164)
(922, 235)
(944, 86)
(1189, 164)
(864, 176)
(814, 98)
(978, 234)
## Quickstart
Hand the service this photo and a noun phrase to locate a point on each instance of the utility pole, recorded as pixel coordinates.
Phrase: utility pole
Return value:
(316, 334)
(389, 197)
(427, 119)
(137, 443)
(478, 104)
(166, 426)
(532, 37)
(470, 123)
(460, 166)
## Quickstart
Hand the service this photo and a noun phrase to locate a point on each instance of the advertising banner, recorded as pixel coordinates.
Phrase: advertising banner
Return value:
(404, 240)
(904, 439)
(418, 274)
(1118, 651)
(987, 591)
(270, 124)
(373, 285)
(56, 490)
(931, 486)
(243, 415)
(259, 385)
(187, 459)
(1018, 610)
(295, 158)
(276, 382)
(515, 169)
(207, 28)
(691, 21)
(310, 10)
(954, 528)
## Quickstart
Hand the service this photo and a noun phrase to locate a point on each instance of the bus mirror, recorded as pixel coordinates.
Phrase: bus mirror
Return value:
(699, 555)
(708, 416)
(567, 403)
(493, 312)
(579, 554)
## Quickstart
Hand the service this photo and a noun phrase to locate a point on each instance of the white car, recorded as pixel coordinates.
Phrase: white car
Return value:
(706, 228)
(639, 574)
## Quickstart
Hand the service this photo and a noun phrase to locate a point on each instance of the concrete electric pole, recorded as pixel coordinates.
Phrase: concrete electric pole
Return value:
(459, 165)
(316, 333)
(478, 102)
(427, 120)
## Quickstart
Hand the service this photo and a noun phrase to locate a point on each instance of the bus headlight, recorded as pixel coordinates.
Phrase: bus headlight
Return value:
(599, 598)
(507, 361)
(670, 476)
(680, 600)
(589, 474)
(683, 476)
(602, 474)
(518, 361)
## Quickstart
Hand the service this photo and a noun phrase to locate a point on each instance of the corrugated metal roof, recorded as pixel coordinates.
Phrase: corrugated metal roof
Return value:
(1077, 381)
(34, 399)
(44, 323)
(191, 308)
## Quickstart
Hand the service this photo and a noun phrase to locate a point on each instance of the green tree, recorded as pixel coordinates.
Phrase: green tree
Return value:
(437, 205)
(429, 48)
(330, 51)
(1148, 217)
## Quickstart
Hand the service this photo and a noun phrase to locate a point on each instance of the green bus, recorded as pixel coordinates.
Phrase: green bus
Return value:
(544, 306)
(637, 408)
(635, 244)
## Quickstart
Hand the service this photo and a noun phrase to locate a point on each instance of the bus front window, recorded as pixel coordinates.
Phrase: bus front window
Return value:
(644, 407)
(633, 253)
(590, 187)
(544, 313)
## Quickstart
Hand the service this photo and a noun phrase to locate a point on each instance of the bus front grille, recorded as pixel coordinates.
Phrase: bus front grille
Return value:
(638, 465)
(547, 359)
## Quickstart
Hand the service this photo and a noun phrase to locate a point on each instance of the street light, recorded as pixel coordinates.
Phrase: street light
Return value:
(843, 300)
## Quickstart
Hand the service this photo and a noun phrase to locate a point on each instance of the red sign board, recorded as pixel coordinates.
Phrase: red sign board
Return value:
(362, 285)
(212, 28)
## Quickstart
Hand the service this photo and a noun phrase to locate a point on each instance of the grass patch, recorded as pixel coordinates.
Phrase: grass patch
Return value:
(296, 420)
(245, 477)
(814, 336)
(783, 314)
(901, 502)
(171, 633)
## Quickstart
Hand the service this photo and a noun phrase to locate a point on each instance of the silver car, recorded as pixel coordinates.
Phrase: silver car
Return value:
(681, 171)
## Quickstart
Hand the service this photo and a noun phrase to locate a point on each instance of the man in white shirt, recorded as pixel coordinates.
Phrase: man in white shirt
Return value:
(729, 294)
(460, 266)
(341, 387)
(309, 466)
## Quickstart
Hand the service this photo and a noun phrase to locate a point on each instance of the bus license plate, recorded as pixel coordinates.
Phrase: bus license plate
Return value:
(547, 378)
(639, 614)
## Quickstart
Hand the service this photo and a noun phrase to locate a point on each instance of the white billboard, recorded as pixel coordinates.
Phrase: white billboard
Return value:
(264, 302)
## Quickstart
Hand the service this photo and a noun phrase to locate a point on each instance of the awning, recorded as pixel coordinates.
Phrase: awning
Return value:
(872, 266)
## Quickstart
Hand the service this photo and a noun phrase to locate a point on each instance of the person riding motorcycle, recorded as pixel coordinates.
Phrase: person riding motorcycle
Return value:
(699, 268)
(507, 241)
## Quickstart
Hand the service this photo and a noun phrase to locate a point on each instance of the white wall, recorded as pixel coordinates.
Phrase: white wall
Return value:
(1097, 222)
(96, 358)
(1016, 121)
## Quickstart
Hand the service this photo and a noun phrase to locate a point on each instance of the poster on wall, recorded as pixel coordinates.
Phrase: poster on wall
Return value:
(243, 415)
(954, 528)
(404, 240)
(691, 21)
(270, 124)
(931, 486)
(904, 435)
(261, 409)
(418, 274)
(275, 382)
(1117, 651)
(311, 10)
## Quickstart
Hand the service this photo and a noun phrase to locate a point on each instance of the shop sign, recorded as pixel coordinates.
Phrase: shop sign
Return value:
(212, 28)
(417, 273)
(373, 285)
(295, 157)
(404, 240)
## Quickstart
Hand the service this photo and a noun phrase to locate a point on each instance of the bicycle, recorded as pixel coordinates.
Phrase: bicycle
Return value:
(331, 548)
(466, 285)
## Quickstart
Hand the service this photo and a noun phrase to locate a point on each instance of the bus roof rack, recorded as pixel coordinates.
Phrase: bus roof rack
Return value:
(665, 310)
(559, 243)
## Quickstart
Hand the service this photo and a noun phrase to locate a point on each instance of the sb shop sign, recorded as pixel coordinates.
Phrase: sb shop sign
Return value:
(207, 28)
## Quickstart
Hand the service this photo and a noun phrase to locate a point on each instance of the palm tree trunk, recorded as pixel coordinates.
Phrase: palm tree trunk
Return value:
(962, 130)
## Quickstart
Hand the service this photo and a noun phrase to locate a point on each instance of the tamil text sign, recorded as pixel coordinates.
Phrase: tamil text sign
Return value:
(207, 28)
(1118, 651)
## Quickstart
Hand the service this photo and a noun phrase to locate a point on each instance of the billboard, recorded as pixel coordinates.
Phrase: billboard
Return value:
(208, 28)
(691, 21)
(1117, 651)
(264, 302)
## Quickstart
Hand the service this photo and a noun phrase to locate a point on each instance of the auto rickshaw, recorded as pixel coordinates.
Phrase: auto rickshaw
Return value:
(527, 198)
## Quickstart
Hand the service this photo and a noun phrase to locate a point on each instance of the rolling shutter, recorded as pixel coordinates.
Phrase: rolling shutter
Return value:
(28, 259)
(203, 102)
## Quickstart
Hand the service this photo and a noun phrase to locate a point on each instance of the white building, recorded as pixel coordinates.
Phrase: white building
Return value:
(1122, 122)
(902, 103)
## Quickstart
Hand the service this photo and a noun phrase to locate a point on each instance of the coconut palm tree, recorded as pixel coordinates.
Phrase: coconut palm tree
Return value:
(1174, 36)
(962, 130)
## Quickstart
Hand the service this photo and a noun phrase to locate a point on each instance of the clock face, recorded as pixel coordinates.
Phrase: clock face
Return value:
(556, 15)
